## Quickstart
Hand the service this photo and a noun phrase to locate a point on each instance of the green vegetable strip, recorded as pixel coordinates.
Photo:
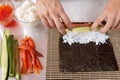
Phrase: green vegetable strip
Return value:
(82, 29)
(11, 54)
(0, 53)
(4, 59)
(17, 61)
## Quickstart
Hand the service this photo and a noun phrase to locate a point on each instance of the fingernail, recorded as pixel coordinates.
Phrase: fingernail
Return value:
(90, 29)
(70, 27)
(102, 32)
(113, 29)
(63, 33)
(50, 28)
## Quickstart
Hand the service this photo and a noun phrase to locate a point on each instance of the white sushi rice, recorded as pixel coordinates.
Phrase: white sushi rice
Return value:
(85, 37)
(27, 12)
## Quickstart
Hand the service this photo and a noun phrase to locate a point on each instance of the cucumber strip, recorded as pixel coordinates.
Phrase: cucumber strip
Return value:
(11, 55)
(4, 59)
(17, 61)
(82, 29)
(7, 32)
(0, 53)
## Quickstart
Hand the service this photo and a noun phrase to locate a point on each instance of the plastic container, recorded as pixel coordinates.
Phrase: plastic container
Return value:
(6, 13)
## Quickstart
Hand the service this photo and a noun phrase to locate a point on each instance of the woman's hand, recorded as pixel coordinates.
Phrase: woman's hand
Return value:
(111, 14)
(52, 14)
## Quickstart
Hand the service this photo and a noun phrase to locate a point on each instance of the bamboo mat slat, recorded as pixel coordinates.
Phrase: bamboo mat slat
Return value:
(53, 71)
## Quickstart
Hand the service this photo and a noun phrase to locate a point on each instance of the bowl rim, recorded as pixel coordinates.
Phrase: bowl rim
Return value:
(15, 17)
(12, 6)
(8, 2)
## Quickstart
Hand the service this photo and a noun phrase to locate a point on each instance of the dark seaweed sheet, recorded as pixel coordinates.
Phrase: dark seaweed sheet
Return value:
(86, 57)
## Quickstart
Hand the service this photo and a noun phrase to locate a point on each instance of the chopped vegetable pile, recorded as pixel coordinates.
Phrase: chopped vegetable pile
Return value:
(9, 57)
(29, 57)
(5, 11)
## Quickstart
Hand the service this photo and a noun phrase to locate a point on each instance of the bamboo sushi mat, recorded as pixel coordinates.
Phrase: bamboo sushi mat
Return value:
(53, 71)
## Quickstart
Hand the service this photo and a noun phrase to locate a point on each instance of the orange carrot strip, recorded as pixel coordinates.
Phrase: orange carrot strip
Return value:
(30, 56)
(24, 64)
(39, 64)
(30, 49)
(30, 66)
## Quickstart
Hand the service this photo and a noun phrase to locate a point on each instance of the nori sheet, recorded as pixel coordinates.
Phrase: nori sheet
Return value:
(86, 57)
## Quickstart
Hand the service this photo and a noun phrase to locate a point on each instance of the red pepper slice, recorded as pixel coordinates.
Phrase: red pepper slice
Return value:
(25, 62)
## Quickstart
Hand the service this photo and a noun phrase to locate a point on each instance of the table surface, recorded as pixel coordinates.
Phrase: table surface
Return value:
(40, 36)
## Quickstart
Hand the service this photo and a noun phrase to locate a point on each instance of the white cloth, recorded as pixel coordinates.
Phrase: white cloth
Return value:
(34, 1)
(83, 10)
